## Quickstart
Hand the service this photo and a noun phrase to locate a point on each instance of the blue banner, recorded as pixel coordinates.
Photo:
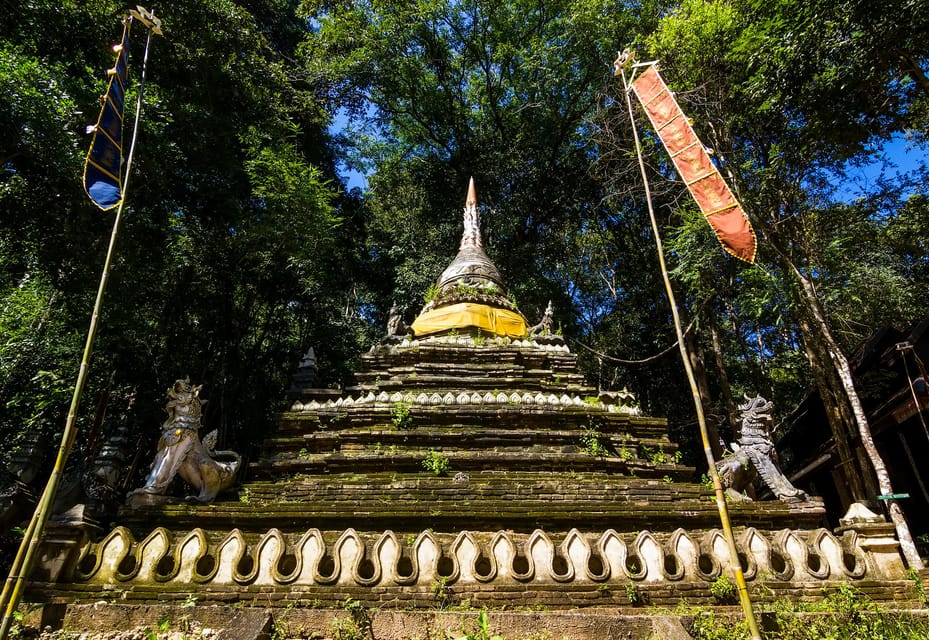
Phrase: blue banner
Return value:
(103, 167)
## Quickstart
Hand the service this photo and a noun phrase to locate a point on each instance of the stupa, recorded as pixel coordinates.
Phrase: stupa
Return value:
(470, 464)
(470, 294)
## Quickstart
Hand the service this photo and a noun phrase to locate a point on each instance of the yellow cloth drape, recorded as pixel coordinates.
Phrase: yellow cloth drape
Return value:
(492, 320)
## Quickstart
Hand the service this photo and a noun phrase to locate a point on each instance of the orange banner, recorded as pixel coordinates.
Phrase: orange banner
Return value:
(720, 208)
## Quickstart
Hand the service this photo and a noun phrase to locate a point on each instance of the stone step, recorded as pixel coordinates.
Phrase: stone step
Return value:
(530, 418)
(296, 619)
(295, 616)
(492, 501)
(476, 489)
(411, 460)
(464, 351)
(381, 441)
(475, 382)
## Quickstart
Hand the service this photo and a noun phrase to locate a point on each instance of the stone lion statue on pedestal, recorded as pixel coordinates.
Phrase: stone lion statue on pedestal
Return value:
(182, 453)
(754, 456)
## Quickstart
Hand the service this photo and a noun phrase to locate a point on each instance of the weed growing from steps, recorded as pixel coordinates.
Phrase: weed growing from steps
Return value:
(483, 631)
(844, 613)
(437, 463)
(400, 416)
(592, 443)
(723, 590)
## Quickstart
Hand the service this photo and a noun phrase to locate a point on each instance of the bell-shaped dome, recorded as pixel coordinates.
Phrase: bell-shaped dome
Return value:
(472, 266)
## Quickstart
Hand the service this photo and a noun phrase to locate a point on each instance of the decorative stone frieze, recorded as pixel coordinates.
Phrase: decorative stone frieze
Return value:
(621, 405)
(866, 530)
(472, 558)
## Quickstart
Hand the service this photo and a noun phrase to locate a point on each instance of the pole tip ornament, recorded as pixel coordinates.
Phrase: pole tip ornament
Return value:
(147, 18)
(623, 59)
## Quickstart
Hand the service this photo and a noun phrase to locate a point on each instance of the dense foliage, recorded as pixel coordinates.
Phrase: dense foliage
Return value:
(243, 246)
(238, 250)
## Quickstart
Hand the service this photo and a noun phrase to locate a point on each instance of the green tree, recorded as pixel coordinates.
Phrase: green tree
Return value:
(238, 243)
(441, 91)
(782, 148)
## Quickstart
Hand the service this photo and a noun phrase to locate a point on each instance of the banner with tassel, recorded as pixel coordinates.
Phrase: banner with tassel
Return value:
(103, 166)
(719, 206)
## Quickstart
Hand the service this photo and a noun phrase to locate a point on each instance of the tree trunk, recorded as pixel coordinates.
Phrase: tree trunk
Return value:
(844, 372)
(859, 480)
(731, 410)
(698, 364)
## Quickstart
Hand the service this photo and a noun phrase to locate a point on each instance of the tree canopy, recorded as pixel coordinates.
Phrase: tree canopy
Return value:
(243, 246)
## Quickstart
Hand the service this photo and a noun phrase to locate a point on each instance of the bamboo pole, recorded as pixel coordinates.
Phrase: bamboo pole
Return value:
(734, 564)
(32, 539)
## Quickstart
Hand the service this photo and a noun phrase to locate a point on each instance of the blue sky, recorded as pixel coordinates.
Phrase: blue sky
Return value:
(901, 156)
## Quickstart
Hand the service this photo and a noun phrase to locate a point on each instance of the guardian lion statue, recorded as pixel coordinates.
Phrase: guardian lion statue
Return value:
(182, 453)
(754, 456)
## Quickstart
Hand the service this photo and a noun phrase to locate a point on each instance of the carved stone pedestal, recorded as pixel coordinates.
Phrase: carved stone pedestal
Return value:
(65, 536)
(874, 535)
(143, 499)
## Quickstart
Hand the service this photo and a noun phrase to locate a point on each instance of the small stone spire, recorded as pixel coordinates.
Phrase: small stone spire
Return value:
(471, 236)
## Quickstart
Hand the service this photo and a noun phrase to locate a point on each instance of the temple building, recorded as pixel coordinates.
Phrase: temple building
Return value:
(469, 464)
(891, 375)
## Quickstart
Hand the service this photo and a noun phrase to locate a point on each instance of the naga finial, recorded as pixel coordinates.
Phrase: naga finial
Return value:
(547, 323)
(471, 236)
(396, 327)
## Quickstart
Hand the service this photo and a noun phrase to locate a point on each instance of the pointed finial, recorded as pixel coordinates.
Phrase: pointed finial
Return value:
(471, 236)
(623, 59)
